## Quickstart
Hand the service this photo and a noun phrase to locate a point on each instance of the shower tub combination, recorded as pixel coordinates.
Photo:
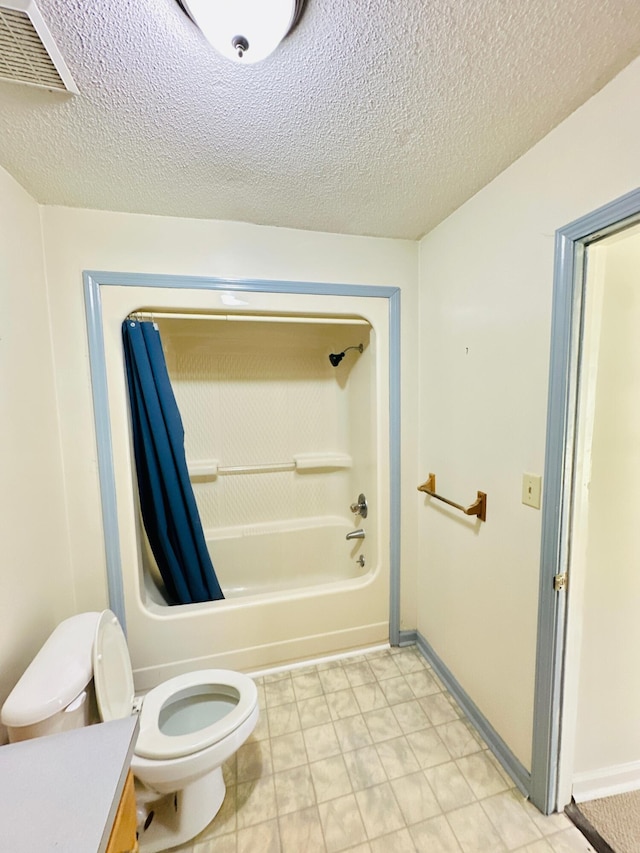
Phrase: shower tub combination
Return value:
(281, 442)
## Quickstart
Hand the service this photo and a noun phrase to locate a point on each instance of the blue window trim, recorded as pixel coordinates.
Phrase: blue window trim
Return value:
(95, 280)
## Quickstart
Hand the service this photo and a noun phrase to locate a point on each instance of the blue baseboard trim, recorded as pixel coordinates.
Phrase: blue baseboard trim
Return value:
(505, 756)
(407, 638)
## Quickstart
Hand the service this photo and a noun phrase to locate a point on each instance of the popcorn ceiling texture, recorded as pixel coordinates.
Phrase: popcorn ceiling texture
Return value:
(376, 118)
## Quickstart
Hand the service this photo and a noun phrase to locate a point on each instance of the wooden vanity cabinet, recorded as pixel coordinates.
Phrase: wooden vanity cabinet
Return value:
(123, 835)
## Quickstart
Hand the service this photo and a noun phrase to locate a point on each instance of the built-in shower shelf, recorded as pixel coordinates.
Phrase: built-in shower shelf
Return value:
(320, 461)
(210, 469)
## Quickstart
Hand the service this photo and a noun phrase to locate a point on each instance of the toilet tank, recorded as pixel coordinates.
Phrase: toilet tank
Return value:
(55, 692)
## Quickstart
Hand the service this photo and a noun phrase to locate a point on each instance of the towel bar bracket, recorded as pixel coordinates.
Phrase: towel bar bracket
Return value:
(478, 507)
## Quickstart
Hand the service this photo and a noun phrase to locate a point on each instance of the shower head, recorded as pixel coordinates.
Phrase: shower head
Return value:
(336, 357)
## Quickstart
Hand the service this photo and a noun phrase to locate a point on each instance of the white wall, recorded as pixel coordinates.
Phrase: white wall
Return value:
(608, 718)
(34, 566)
(76, 240)
(485, 311)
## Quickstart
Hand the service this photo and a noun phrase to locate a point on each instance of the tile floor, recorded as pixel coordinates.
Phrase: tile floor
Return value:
(370, 754)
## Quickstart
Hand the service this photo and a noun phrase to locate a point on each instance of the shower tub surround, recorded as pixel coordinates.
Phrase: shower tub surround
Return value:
(280, 443)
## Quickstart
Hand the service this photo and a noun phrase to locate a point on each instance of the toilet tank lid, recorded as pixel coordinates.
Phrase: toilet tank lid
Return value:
(60, 671)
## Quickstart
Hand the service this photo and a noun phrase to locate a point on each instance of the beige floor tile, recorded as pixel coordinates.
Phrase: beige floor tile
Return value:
(482, 775)
(288, 751)
(384, 667)
(548, 824)
(415, 797)
(301, 832)
(474, 830)
(569, 841)
(294, 790)
(428, 748)
(223, 844)
(341, 823)
(382, 725)
(330, 778)
(364, 768)
(438, 708)
(306, 686)
(506, 812)
(360, 756)
(450, 786)
(411, 717)
(438, 681)
(458, 738)
(396, 690)
(397, 842)
(540, 846)
(278, 692)
(423, 683)
(314, 712)
(321, 742)
(370, 697)
(507, 778)
(409, 661)
(264, 837)
(333, 663)
(435, 836)
(359, 673)
(342, 704)
(380, 812)
(281, 675)
(333, 680)
(283, 719)
(254, 760)
(352, 733)
(256, 802)
(397, 757)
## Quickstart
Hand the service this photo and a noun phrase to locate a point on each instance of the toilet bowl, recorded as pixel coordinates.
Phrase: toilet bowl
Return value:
(189, 725)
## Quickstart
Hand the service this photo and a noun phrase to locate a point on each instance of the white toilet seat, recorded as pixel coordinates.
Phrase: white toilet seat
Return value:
(155, 744)
(113, 679)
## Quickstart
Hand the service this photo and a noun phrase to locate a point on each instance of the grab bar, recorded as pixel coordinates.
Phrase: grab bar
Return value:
(478, 507)
(210, 469)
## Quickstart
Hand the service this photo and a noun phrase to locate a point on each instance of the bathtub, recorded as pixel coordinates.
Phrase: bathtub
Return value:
(278, 557)
(276, 525)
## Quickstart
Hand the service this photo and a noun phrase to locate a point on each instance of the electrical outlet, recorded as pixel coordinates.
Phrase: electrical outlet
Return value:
(531, 488)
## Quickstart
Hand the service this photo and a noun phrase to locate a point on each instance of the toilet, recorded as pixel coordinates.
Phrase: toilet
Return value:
(188, 725)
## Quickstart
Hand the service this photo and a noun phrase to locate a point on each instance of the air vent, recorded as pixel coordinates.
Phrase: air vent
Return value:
(28, 53)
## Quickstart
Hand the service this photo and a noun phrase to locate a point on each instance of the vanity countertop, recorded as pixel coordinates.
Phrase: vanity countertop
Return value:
(61, 793)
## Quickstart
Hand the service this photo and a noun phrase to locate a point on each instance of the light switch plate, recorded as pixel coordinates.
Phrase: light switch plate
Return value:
(531, 489)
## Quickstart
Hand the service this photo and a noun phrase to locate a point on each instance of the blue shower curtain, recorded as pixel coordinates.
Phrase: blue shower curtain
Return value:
(169, 510)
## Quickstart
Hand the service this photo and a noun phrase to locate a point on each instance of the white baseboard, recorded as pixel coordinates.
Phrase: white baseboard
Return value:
(607, 781)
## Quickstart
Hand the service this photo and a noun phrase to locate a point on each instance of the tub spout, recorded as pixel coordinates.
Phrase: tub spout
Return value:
(356, 534)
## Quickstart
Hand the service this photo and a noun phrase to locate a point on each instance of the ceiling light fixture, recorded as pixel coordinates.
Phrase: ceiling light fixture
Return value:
(244, 31)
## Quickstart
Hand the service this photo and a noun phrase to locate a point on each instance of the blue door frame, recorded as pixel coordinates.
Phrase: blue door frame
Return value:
(566, 334)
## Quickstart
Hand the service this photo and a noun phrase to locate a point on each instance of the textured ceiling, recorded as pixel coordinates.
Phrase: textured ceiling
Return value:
(375, 117)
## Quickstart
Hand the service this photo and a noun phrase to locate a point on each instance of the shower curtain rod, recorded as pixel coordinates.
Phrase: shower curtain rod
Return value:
(152, 316)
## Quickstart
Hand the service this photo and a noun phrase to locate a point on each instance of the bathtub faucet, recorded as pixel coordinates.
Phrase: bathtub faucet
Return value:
(356, 534)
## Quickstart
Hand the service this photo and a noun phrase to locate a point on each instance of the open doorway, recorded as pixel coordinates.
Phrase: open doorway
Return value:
(590, 390)
(603, 628)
